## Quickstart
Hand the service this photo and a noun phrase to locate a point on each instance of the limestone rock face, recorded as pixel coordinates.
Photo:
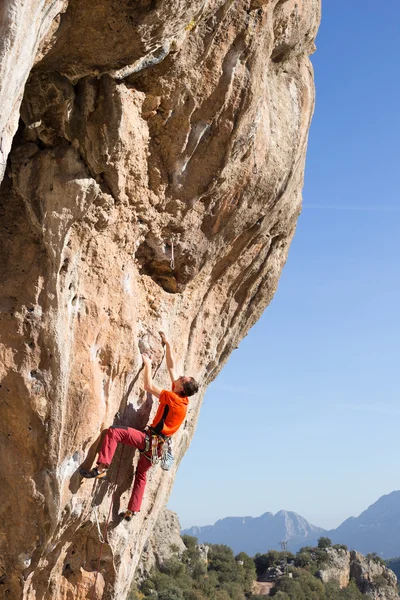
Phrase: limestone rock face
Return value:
(154, 182)
(337, 567)
(164, 542)
(371, 577)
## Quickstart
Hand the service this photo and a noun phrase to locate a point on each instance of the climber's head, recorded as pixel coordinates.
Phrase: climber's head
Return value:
(185, 386)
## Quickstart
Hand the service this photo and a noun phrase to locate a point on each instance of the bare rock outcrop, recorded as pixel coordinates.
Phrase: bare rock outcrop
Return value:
(337, 567)
(164, 542)
(155, 155)
(371, 576)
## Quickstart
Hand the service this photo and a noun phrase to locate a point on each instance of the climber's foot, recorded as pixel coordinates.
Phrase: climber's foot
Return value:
(129, 514)
(93, 474)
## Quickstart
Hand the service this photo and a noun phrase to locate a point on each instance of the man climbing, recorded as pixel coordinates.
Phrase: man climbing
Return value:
(169, 417)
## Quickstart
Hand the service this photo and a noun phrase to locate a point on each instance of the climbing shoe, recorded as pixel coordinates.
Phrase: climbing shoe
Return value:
(93, 474)
(129, 514)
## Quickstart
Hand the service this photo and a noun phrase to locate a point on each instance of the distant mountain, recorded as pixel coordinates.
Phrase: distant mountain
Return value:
(377, 529)
(258, 534)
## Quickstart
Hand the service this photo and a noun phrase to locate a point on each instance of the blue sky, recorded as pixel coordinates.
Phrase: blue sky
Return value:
(312, 393)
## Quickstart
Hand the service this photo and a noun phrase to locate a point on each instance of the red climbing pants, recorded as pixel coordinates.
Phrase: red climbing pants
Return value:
(130, 437)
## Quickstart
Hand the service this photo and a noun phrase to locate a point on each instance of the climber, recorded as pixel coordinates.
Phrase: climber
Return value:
(169, 417)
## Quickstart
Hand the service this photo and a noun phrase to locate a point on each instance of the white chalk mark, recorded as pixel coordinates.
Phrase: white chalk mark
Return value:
(128, 285)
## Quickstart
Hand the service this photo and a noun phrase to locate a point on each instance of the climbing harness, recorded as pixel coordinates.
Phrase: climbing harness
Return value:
(153, 443)
(150, 450)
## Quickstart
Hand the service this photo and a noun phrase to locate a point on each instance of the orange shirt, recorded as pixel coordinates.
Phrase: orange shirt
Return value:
(170, 414)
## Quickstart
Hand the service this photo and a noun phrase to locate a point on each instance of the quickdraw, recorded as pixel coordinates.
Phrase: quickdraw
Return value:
(167, 457)
(152, 444)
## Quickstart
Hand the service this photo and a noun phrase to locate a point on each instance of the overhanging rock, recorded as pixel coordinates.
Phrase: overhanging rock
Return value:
(154, 182)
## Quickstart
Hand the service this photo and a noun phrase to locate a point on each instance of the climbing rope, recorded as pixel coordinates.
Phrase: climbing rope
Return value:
(103, 534)
(2, 161)
(103, 538)
(96, 514)
(172, 261)
(255, 168)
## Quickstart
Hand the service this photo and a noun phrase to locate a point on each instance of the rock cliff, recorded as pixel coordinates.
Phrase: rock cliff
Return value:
(152, 158)
(164, 542)
(371, 576)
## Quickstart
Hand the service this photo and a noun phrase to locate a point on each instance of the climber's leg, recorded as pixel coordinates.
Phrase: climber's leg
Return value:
(139, 484)
(114, 436)
(119, 435)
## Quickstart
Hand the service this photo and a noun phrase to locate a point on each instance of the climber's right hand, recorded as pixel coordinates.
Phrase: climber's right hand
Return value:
(146, 360)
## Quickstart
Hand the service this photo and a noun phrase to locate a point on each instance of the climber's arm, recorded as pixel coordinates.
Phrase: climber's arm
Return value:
(169, 357)
(148, 379)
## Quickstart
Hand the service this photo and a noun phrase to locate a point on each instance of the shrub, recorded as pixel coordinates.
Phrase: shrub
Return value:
(380, 581)
(376, 558)
(279, 596)
(302, 559)
(221, 560)
(324, 542)
(264, 561)
(306, 549)
(333, 592)
(291, 587)
(173, 568)
(189, 541)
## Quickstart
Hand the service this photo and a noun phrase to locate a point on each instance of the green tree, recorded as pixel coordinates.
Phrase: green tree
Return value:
(189, 541)
(235, 591)
(173, 592)
(291, 587)
(302, 559)
(311, 586)
(135, 594)
(264, 561)
(247, 571)
(222, 561)
(198, 569)
(196, 595)
(324, 542)
(173, 567)
(305, 549)
(279, 596)
(351, 592)
(375, 557)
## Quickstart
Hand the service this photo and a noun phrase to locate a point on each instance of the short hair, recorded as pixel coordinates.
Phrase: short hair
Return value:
(190, 387)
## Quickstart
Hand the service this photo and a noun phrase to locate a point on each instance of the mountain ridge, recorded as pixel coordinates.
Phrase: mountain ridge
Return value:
(376, 529)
